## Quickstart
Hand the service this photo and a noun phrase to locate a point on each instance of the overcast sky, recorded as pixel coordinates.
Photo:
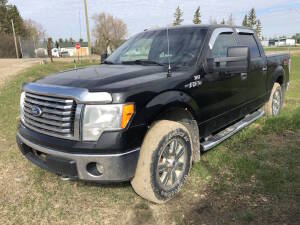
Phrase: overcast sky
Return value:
(60, 18)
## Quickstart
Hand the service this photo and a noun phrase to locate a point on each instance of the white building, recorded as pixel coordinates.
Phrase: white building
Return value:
(265, 43)
(287, 42)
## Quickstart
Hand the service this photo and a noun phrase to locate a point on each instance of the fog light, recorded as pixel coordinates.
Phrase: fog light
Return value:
(95, 169)
(100, 168)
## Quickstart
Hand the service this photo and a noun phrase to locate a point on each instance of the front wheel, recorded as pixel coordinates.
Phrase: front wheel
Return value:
(164, 162)
(274, 105)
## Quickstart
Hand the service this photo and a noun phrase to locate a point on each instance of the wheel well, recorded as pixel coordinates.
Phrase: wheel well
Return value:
(280, 80)
(185, 117)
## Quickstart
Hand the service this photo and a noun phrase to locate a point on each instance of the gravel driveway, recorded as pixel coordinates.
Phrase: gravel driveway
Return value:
(11, 67)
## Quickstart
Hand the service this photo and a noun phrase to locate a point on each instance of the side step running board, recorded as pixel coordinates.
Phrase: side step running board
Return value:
(213, 141)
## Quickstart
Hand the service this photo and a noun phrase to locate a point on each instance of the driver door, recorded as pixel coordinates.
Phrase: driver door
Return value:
(221, 94)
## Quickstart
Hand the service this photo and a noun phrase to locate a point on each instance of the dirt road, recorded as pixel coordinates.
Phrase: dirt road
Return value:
(11, 67)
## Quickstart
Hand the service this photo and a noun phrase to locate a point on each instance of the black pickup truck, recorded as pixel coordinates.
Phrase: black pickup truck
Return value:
(149, 111)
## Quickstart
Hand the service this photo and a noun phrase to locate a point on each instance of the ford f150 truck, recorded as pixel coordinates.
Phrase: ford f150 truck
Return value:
(149, 111)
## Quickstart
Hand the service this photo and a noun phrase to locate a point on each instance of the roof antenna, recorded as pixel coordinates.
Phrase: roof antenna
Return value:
(169, 74)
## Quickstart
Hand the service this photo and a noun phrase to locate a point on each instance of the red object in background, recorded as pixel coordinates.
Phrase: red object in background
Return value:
(77, 46)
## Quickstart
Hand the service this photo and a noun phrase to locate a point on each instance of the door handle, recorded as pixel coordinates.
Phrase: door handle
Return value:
(244, 76)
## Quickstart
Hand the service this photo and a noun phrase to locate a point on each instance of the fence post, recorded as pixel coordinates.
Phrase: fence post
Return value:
(21, 47)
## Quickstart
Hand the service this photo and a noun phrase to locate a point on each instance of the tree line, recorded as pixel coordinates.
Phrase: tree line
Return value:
(25, 29)
(250, 19)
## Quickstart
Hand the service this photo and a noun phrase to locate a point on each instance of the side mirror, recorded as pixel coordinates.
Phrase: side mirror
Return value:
(104, 56)
(237, 61)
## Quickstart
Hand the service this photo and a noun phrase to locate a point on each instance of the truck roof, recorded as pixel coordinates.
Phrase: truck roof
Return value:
(208, 26)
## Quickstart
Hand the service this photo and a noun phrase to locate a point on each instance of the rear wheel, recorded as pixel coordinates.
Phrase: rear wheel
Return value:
(164, 162)
(274, 105)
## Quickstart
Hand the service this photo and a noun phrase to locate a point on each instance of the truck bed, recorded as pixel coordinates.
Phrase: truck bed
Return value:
(274, 54)
(277, 58)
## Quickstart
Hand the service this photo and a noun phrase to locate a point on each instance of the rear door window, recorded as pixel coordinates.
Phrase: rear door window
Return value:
(249, 40)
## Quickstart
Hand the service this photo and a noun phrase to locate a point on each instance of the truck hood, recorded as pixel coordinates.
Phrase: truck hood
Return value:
(106, 77)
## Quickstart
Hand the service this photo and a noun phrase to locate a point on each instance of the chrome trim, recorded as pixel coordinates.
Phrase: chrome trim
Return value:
(67, 137)
(40, 119)
(77, 122)
(81, 95)
(57, 118)
(51, 105)
(216, 33)
(68, 113)
(83, 159)
(244, 30)
(229, 131)
(39, 125)
(66, 101)
(48, 116)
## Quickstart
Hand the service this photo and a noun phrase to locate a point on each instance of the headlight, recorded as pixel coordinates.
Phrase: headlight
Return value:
(99, 118)
(22, 101)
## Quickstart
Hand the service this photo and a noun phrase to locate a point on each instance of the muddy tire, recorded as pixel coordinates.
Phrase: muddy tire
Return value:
(273, 106)
(164, 162)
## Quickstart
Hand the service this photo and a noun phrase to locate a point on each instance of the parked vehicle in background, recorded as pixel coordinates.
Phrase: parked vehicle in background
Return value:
(156, 103)
(55, 52)
(64, 54)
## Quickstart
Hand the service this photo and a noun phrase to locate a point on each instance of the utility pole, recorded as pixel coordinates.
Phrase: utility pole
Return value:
(13, 27)
(87, 27)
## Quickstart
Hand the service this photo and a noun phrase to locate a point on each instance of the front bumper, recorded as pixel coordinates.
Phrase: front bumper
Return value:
(115, 167)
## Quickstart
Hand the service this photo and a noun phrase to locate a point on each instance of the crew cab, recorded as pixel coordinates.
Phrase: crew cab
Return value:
(148, 112)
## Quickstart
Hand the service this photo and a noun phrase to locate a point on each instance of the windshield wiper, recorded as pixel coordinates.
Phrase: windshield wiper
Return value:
(143, 61)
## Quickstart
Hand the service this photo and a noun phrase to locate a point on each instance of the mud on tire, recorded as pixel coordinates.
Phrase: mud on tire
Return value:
(269, 107)
(164, 162)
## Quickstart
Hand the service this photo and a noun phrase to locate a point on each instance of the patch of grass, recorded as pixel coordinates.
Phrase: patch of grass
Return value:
(246, 216)
(275, 49)
(261, 162)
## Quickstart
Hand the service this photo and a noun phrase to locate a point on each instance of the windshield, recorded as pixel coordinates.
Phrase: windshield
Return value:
(152, 47)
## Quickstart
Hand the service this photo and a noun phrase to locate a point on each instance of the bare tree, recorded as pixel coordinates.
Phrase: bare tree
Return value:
(34, 30)
(109, 32)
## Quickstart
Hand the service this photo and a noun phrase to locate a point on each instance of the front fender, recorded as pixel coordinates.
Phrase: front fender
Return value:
(163, 102)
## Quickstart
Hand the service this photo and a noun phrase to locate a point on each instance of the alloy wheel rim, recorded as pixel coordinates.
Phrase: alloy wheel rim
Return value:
(172, 163)
(276, 103)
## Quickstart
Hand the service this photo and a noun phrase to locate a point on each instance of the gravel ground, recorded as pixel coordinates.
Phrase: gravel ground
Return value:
(11, 67)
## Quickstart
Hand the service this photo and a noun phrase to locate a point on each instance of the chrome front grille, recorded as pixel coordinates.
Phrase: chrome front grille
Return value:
(56, 117)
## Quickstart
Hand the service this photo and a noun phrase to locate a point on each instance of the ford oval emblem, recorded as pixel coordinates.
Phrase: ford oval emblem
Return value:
(36, 111)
